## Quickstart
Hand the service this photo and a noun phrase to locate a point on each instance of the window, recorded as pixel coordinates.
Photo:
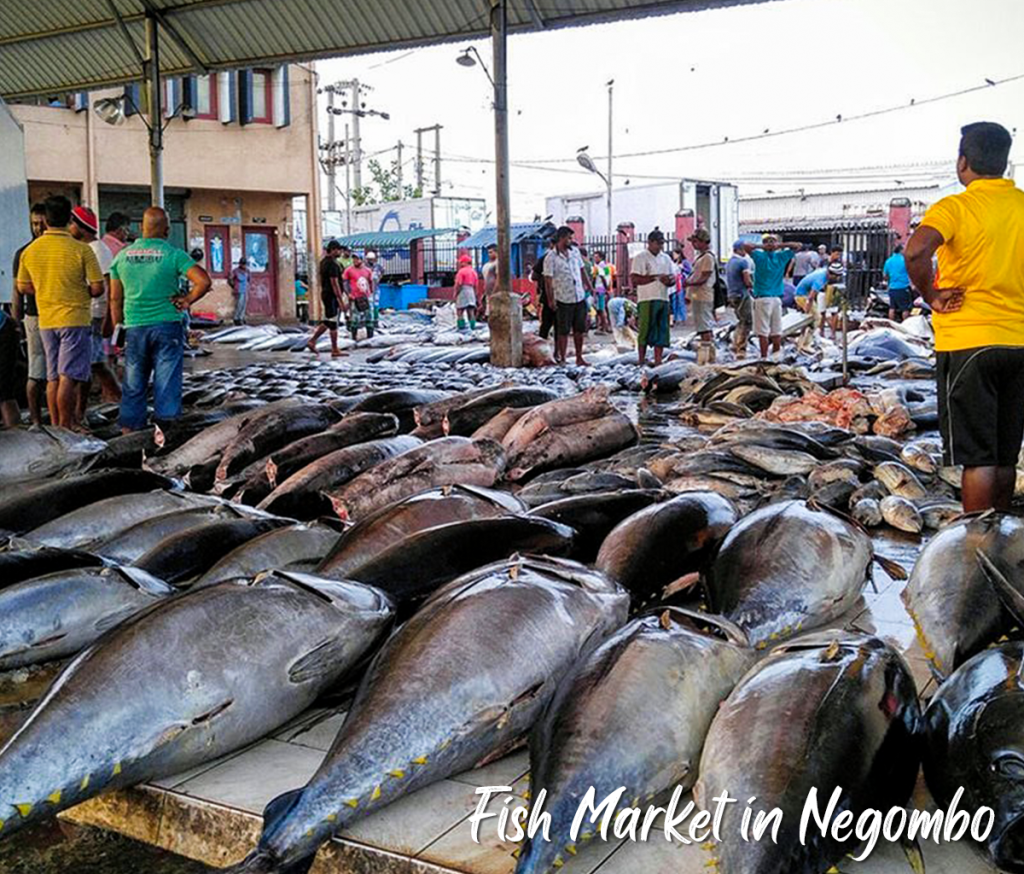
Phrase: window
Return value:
(206, 96)
(262, 100)
(218, 250)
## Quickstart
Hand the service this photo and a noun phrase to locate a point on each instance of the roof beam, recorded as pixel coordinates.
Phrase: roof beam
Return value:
(535, 16)
(176, 37)
(124, 32)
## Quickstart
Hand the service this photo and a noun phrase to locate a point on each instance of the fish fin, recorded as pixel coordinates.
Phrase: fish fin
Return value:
(111, 620)
(912, 850)
(709, 623)
(892, 568)
(278, 808)
(144, 581)
(261, 862)
(319, 662)
(1012, 600)
(684, 584)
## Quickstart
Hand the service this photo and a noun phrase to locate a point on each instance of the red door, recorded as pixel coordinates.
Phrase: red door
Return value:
(260, 246)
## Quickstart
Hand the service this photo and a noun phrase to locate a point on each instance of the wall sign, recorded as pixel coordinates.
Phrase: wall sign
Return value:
(206, 218)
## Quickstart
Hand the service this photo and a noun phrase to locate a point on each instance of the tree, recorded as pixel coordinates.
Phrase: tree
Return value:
(384, 187)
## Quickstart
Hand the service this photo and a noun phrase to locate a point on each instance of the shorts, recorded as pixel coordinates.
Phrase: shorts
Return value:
(744, 307)
(8, 359)
(901, 300)
(36, 350)
(601, 300)
(330, 317)
(465, 298)
(981, 416)
(767, 316)
(68, 353)
(654, 323)
(98, 352)
(570, 318)
(703, 315)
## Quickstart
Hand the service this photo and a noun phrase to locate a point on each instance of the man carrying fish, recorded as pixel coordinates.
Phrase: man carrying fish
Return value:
(770, 262)
(145, 299)
(653, 274)
(977, 299)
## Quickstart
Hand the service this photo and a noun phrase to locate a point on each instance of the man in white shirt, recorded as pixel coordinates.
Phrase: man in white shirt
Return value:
(700, 290)
(566, 285)
(653, 275)
(85, 227)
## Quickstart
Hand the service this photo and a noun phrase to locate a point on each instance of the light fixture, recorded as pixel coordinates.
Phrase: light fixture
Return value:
(587, 163)
(470, 57)
(466, 59)
(110, 110)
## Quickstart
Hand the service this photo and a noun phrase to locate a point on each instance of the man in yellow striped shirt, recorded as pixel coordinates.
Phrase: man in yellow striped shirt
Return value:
(64, 276)
(977, 297)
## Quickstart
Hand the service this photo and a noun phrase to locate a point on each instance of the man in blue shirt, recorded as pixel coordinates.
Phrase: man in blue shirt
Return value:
(770, 261)
(901, 298)
(239, 282)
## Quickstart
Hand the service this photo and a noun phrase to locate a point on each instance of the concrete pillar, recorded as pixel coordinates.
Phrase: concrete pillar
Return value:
(686, 224)
(625, 234)
(416, 262)
(505, 319)
(578, 225)
(899, 219)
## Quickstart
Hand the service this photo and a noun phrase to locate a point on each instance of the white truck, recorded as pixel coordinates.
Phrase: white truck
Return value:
(656, 205)
(406, 215)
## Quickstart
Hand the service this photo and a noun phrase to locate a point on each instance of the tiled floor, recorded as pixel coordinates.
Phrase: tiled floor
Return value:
(432, 826)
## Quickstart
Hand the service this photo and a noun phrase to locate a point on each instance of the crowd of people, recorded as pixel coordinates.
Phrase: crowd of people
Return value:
(82, 302)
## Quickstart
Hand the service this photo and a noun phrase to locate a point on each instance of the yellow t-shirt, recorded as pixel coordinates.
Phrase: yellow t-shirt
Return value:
(60, 269)
(983, 253)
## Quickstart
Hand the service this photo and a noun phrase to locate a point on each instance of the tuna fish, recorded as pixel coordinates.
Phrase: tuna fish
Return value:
(498, 426)
(464, 420)
(57, 615)
(655, 547)
(369, 537)
(954, 607)
(431, 416)
(447, 461)
(402, 402)
(779, 462)
(280, 549)
(572, 444)
(901, 514)
(867, 512)
(301, 496)
(163, 693)
(900, 480)
(974, 742)
(593, 516)
(189, 553)
(442, 697)
(28, 454)
(827, 711)
(601, 731)
(130, 545)
(28, 508)
(353, 429)
(585, 407)
(788, 567)
(17, 565)
(272, 431)
(105, 519)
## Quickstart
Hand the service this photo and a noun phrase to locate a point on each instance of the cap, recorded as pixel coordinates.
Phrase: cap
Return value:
(371, 256)
(739, 244)
(86, 218)
(766, 237)
(656, 235)
(465, 259)
(702, 234)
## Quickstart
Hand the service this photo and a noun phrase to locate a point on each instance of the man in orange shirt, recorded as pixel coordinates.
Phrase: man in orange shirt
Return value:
(978, 302)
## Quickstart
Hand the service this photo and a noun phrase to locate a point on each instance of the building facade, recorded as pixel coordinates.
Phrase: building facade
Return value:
(240, 149)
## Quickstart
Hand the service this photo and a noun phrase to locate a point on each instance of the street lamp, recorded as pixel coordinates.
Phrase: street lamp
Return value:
(466, 59)
(587, 163)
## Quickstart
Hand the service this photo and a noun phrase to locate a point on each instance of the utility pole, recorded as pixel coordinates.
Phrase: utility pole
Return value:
(156, 129)
(357, 171)
(436, 128)
(332, 146)
(401, 192)
(611, 85)
(437, 160)
(348, 184)
(419, 161)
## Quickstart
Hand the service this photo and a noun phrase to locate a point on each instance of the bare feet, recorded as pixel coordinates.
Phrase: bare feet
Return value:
(337, 353)
(311, 347)
(581, 361)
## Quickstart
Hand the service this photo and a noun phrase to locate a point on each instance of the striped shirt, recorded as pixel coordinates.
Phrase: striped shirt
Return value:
(60, 269)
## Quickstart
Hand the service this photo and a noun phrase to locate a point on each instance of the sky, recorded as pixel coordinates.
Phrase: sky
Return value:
(696, 78)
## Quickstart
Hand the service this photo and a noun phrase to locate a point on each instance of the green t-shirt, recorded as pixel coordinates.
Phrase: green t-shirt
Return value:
(149, 270)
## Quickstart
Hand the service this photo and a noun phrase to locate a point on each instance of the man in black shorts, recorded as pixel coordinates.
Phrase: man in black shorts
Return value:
(547, 312)
(330, 297)
(978, 316)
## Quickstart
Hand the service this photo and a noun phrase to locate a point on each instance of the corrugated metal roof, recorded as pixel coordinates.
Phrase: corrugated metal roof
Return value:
(391, 239)
(817, 223)
(70, 45)
(489, 236)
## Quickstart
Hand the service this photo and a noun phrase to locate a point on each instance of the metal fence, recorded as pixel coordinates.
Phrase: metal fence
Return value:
(440, 260)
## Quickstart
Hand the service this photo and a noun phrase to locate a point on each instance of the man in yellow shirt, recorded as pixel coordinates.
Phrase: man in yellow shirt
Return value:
(977, 297)
(64, 276)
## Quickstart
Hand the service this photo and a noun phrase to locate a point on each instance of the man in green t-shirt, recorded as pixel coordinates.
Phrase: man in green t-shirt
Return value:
(145, 299)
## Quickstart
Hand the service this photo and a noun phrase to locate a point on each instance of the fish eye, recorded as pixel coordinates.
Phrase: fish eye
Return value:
(1009, 766)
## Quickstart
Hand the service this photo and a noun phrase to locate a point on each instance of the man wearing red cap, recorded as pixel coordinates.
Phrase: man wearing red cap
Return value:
(85, 228)
(466, 282)
(64, 275)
